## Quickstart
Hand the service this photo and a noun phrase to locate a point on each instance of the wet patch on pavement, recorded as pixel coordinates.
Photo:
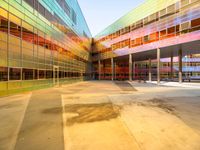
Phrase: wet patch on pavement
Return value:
(159, 103)
(125, 86)
(8, 106)
(53, 110)
(163, 105)
(88, 113)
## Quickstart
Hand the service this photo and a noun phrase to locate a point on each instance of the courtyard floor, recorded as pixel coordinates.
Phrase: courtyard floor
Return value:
(102, 115)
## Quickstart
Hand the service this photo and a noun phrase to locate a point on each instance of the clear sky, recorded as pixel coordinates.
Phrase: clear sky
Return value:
(101, 13)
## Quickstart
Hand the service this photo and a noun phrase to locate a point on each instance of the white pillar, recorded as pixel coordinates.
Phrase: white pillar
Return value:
(180, 65)
(112, 69)
(115, 76)
(134, 70)
(150, 78)
(104, 69)
(158, 66)
(130, 67)
(99, 66)
(172, 67)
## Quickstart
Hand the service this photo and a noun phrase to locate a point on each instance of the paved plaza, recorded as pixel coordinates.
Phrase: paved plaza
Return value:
(102, 115)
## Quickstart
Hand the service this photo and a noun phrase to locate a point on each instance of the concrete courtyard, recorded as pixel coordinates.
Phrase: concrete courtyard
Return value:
(102, 115)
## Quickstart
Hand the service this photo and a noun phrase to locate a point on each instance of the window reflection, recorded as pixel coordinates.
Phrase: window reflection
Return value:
(27, 35)
(15, 74)
(3, 74)
(41, 41)
(35, 74)
(15, 29)
(49, 74)
(41, 74)
(3, 24)
(27, 74)
(61, 74)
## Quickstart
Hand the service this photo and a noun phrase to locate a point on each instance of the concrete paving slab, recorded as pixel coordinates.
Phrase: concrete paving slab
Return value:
(95, 126)
(12, 110)
(102, 115)
(156, 129)
(42, 127)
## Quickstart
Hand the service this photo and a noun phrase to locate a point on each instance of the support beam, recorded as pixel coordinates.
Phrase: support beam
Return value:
(150, 77)
(112, 69)
(158, 66)
(115, 71)
(104, 69)
(21, 74)
(130, 67)
(180, 65)
(134, 70)
(172, 66)
(99, 66)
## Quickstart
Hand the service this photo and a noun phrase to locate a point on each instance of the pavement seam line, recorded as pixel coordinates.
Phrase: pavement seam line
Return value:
(66, 137)
(14, 140)
(129, 132)
(126, 127)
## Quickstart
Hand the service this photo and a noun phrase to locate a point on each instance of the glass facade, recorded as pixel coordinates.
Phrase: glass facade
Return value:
(169, 26)
(42, 43)
(45, 43)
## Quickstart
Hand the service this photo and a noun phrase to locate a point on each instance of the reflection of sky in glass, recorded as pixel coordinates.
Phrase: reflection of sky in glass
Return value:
(191, 59)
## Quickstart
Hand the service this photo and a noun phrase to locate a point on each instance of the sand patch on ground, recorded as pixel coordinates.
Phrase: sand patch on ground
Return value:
(92, 124)
(88, 113)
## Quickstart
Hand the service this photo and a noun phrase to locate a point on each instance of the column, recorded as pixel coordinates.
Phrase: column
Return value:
(8, 73)
(134, 70)
(22, 75)
(33, 74)
(112, 69)
(180, 65)
(158, 66)
(130, 67)
(115, 76)
(104, 69)
(150, 78)
(172, 66)
(99, 66)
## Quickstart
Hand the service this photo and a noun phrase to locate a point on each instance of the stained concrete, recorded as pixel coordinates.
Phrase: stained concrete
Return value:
(102, 115)
(42, 125)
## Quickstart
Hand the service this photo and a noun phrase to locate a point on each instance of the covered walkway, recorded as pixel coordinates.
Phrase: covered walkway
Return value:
(171, 63)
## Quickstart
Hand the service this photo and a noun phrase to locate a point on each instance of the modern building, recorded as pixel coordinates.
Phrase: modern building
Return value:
(159, 40)
(42, 43)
